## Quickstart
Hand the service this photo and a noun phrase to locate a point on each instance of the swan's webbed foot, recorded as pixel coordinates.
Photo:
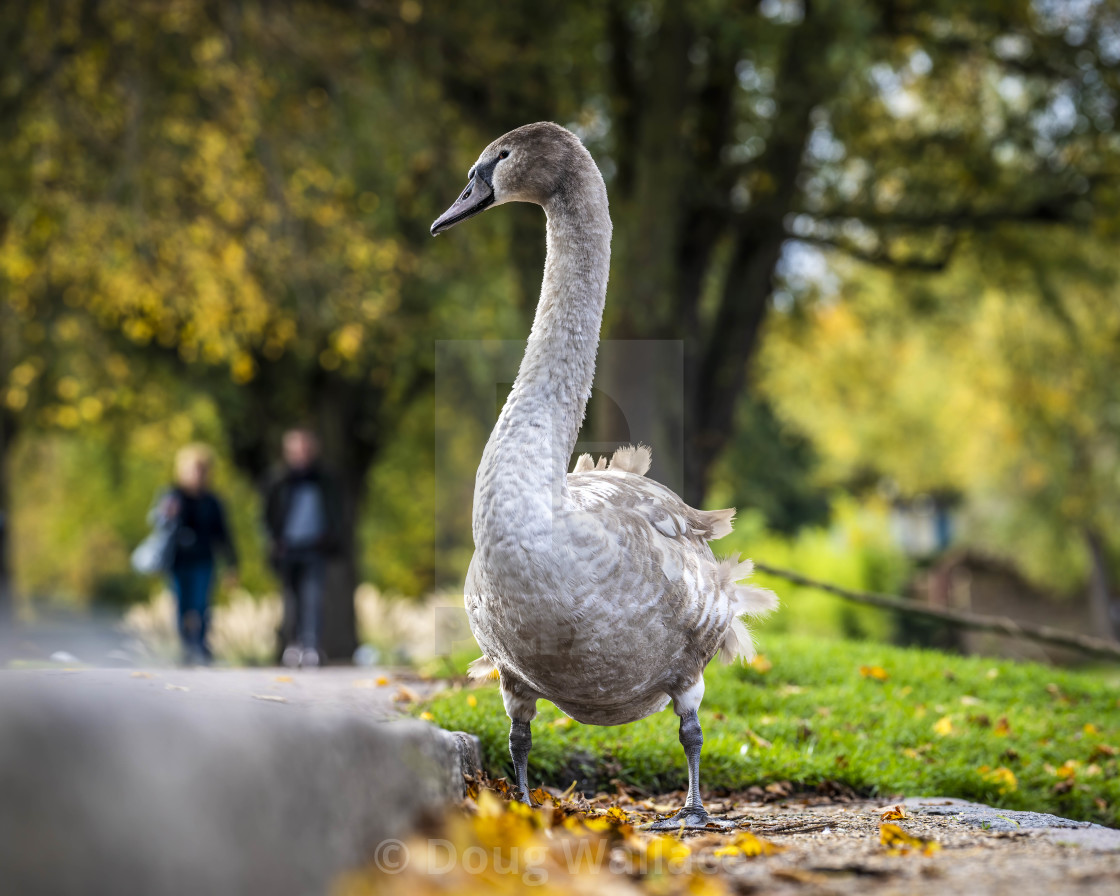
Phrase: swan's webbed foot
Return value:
(690, 818)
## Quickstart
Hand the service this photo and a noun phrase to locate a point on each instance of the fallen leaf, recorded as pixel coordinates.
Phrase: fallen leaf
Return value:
(1091, 729)
(1003, 727)
(745, 843)
(538, 796)
(943, 726)
(1100, 751)
(405, 695)
(284, 679)
(381, 681)
(892, 813)
(878, 673)
(1002, 778)
(427, 717)
(901, 843)
(760, 663)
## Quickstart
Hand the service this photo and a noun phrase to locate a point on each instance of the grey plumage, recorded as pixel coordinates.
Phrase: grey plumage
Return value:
(597, 589)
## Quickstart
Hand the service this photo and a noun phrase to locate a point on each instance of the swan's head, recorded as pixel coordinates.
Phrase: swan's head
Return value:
(530, 164)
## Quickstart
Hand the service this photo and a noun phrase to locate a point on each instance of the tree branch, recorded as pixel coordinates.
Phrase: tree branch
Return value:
(961, 618)
(881, 257)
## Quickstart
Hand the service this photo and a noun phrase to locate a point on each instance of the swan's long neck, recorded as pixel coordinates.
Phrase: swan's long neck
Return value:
(526, 459)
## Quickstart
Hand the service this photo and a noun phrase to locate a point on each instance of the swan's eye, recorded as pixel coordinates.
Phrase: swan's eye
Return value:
(504, 154)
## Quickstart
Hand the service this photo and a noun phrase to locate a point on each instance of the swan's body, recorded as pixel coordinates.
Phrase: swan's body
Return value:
(597, 589)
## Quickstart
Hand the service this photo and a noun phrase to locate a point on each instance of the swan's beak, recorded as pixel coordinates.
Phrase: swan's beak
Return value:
(475, 198)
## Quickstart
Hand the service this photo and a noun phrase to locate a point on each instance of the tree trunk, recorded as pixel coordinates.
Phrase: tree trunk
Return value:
(7, 614)
(1105, 613)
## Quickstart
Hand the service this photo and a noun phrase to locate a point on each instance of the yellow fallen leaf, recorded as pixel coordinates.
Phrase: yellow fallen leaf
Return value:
(892, 813)
(745, 843)
(1091, 729)
(760, 663)
(1067, 769)
(901, 843)
(1003, 727)
(539, 796)
(1002, 778)
(381, 681)
(284, 679)
(878, 673)
(427, 717)
(943, 726)
(616, 814)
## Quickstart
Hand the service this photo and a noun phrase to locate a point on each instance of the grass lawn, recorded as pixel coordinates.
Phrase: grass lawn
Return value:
(883, 720)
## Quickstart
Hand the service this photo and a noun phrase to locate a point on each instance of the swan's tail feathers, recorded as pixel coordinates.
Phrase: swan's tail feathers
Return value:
(632, 459)
(746, 600)
(482, 669)
(586, 464)
(712, 525)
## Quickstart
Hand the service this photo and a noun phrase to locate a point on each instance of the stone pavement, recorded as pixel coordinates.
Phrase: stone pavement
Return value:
(210, 781)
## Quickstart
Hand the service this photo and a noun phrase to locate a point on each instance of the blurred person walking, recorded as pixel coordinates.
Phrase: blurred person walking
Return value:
(200, 534)
(303, 519)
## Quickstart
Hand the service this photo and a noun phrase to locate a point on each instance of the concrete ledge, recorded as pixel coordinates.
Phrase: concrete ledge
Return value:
(119, 793)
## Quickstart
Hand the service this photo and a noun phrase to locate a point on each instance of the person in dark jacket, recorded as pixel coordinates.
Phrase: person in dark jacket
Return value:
(302, 519)
(201, 535)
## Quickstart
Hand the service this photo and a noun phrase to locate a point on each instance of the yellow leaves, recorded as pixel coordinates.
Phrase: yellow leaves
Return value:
(427, 717)
(892, 813)
(747, 844)
(1002, 778)
(898, 842)
(348, 341)
(943, 727)
(15, 399)
(877, 673)
(1003, 727)
(243, 368)
(1090, 729)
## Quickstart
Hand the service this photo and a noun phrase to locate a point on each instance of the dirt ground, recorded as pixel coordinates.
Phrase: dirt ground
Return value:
(832, 845)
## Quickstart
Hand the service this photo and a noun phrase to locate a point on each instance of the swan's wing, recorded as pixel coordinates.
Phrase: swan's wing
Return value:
(631, 493)
(653, 521)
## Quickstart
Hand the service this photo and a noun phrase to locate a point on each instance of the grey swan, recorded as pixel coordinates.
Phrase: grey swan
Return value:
(595, 589)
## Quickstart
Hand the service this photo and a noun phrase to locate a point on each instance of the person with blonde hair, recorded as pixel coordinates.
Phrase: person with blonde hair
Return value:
(201, 533)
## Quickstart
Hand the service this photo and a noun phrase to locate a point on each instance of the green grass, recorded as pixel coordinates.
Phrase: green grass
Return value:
(814, 717)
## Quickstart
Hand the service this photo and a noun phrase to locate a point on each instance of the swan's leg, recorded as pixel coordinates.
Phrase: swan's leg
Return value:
(521, 707)
(693, 816)
(520, 742)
